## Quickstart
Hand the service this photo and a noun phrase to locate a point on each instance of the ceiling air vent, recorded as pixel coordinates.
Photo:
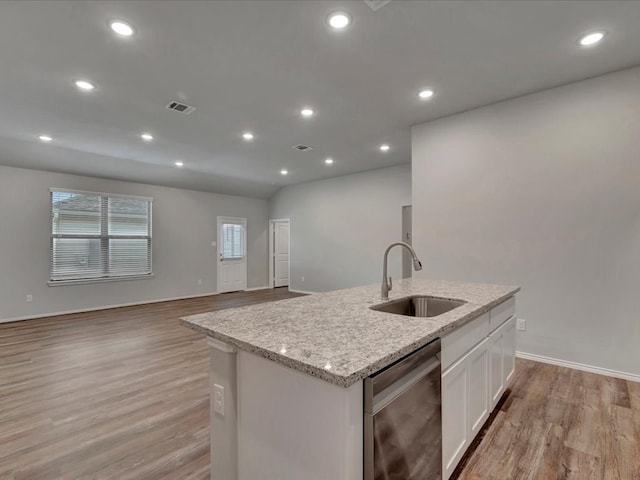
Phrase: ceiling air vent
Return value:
(302, 148)
(376, 4)
(181, 107)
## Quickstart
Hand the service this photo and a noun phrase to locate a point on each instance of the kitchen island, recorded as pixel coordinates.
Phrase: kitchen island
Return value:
(287, 376)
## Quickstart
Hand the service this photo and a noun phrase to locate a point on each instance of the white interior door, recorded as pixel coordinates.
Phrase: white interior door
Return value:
(281, 253)
(232, 254)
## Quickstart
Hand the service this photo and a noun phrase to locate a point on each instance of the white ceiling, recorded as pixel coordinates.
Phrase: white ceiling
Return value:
(251, 65)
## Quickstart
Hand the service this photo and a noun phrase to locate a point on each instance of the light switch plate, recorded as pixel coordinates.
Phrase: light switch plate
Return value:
(522, 324)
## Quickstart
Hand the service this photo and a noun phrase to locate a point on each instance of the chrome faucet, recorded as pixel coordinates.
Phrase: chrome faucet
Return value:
(387, 284)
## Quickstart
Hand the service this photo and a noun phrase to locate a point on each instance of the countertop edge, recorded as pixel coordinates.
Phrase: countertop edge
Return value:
(351, 379)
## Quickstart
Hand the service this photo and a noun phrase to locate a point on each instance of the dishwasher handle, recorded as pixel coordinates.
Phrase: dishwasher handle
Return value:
(400, 376)
(404, 384)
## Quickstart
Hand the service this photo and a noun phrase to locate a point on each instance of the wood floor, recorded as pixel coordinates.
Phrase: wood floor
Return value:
(115, 394)
(558, 423)
(123, 394)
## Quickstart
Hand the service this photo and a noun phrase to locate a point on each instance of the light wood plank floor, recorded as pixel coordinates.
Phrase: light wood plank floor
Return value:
(123, 394)
(558, 423)
(115, 394)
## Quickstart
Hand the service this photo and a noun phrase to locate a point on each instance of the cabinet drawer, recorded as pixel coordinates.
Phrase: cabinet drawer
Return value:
(502, 313)
(463, 339)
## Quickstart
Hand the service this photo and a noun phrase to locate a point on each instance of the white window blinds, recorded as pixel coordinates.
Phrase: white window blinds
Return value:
(99, 236)
(232, 241)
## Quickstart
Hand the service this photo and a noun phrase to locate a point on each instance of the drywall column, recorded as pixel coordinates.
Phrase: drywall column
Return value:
(224, 422)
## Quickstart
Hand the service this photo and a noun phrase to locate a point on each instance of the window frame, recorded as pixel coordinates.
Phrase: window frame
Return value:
(103, 238)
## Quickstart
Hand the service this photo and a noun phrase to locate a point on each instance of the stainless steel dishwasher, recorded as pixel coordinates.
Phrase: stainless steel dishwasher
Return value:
(403, 419)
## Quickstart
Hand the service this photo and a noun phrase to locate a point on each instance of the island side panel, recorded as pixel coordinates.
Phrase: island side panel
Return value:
(293, 426)
(223, 430)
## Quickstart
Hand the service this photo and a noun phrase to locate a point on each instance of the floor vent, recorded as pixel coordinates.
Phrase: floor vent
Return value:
(181, 107)
(302, 148)
(376, 4)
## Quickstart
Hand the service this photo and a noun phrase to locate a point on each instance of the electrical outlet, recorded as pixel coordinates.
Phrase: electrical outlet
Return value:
(29, 298)
(199, 281)
(218, 399)
(522, 324)
(213, 244)
(302, 279)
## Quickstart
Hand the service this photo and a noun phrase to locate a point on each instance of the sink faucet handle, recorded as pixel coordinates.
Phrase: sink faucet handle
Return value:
(390, 282)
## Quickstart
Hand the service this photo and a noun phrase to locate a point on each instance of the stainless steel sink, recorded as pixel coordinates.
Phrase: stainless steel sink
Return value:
(418, 306)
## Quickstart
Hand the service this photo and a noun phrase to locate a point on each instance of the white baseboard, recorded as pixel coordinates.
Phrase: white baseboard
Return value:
(579, 366)
(104, 307)
(257, 288)
(306, 292)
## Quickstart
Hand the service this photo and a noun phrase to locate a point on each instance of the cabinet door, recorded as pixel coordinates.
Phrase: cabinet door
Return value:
(509, 359)
(496, 365)
(454, 416)
(478, 404)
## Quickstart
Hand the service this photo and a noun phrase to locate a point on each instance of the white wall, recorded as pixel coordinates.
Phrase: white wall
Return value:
(341, 226)
(544, 192)
(184, 225)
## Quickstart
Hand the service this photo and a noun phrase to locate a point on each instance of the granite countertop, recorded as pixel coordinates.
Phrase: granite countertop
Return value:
(335, 336)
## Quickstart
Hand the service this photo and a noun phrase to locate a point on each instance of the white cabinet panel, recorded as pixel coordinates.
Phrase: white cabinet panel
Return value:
(502, 312)
(465, 404)
(496, 375)
(463, 339)
(478, 403)
(509, 360)
(502, 359)
(290, 423)
(455, 436)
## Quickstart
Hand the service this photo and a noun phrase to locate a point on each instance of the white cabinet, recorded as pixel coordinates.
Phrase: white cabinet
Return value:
(496, 377)
(465, 404)
(478, 405)
(463, 339)
(502, 359)
(509, 352)
(473, 383)
(455, 436)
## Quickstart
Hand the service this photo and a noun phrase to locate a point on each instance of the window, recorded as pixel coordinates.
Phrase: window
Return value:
(99, 236)
(232, 241)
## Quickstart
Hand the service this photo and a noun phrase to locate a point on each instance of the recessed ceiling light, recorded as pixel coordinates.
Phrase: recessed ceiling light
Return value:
(384, 147)
(307, 112)
(122, 28)
(328, 161)
(85, 85)
(591, 38)
(178, 164)
(248, 136)
(45, 138)
(339, 20)
(284, 172)
(147, 137)
(426, 93)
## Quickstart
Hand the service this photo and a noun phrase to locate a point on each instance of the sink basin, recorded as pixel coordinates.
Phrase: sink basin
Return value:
(418, 306)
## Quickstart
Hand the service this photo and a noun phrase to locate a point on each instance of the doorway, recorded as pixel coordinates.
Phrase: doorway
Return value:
(232, 254)
(279, 236)
(406, 238)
